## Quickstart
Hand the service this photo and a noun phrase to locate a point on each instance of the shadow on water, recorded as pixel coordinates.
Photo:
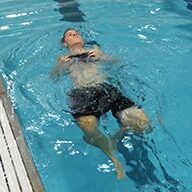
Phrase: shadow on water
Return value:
(186, 27)
(189, 4)
(70, 11)
(172, 6)
(135, 150)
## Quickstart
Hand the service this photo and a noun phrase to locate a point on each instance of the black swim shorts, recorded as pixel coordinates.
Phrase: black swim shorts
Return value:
(97, 100)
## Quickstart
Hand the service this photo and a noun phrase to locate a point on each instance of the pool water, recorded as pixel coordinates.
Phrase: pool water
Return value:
(152, 40)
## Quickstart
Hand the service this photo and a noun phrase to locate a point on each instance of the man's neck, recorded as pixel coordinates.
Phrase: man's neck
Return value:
(76, 49)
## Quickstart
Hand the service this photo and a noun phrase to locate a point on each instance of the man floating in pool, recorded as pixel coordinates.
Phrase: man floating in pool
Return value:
(92, 96)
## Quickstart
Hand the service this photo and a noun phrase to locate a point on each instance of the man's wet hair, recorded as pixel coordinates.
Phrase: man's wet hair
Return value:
(68, 29)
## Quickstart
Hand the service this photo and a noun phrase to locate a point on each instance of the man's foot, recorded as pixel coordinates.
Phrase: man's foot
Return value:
(119, 170)
(118, 167)
(108, 147)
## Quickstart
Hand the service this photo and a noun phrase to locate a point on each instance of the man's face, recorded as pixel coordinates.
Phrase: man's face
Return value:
(72, 38)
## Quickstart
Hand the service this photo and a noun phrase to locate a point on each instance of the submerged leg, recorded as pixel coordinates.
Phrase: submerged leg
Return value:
(94, 137)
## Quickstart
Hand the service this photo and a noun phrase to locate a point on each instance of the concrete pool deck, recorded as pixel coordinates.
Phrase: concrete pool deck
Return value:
(17, 169)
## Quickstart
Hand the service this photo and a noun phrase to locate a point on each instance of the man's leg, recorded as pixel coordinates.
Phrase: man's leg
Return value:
(133, 119)
(94, 137)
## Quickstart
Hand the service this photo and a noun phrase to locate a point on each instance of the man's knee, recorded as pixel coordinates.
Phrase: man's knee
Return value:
(87, 122)
(134, 118)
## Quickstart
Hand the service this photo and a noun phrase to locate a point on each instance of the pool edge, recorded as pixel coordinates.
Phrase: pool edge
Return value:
(31, 170)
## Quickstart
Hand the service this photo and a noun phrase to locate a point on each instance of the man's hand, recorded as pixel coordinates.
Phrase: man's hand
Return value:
(63, 59)
(62, 64)
(96, 52)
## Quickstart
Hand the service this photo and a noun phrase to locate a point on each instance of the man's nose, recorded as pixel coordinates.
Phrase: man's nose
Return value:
(75, 34)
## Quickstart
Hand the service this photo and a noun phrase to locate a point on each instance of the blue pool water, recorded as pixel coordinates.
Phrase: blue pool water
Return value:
(152, 39)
